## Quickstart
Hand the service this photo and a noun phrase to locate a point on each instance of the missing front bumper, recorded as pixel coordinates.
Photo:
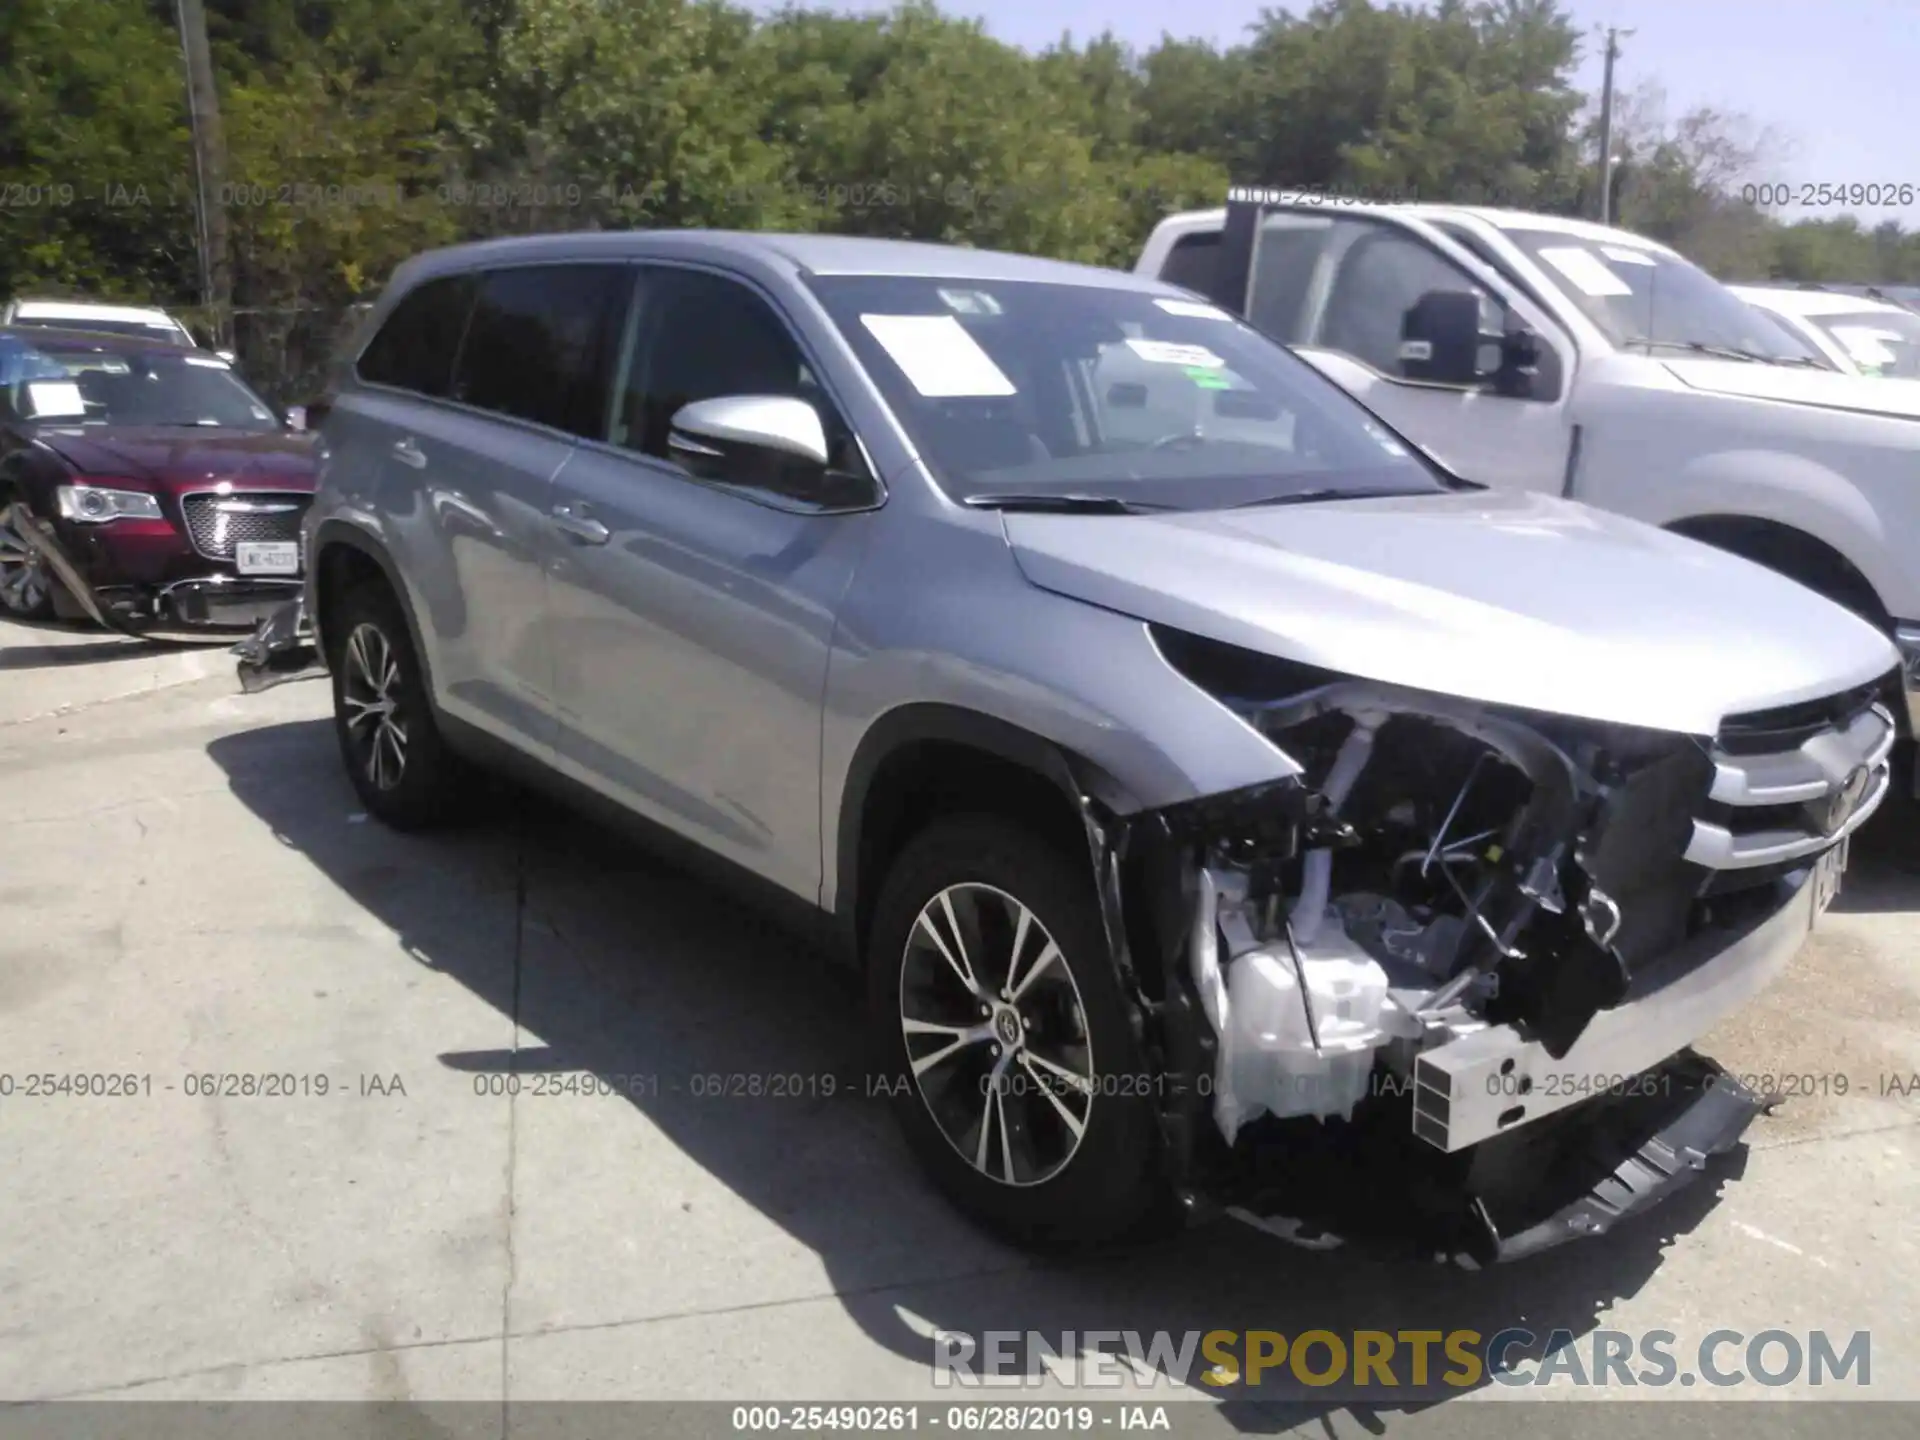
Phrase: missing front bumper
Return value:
(1574, 1176)
(1481, 1085)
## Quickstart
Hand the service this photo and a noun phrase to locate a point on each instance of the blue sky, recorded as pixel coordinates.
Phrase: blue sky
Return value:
(1836, 81)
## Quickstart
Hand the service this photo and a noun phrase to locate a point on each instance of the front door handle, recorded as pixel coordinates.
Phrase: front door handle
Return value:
(573, 520)
(408, 453)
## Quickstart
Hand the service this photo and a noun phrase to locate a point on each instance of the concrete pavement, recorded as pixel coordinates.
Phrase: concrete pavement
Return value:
(191, 902)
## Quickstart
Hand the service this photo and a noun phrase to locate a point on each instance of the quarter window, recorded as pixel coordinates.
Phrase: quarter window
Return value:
(540, 345)
(415, 347)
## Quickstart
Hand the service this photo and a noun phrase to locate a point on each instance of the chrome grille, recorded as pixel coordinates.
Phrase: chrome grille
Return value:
(1790, 784)
(217, 523)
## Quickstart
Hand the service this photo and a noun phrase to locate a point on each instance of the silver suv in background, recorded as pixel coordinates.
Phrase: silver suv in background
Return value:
(1221, 800)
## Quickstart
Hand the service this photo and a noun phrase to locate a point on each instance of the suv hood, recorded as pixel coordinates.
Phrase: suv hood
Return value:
(188, 457)
(1868, 394)
(1507, 598)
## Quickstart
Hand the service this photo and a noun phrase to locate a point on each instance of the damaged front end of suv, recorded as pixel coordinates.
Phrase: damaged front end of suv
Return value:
(1438, 986)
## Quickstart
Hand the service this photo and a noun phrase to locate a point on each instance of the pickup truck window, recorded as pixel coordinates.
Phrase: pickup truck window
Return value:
(1641, 297)
(1283, 269)
(1194, 262)
(1383, 272)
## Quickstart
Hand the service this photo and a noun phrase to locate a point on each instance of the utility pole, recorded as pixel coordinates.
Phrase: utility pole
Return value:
(209, 167)
(1606, 124)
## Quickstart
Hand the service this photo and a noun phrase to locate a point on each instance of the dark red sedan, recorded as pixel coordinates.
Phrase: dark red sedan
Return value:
(143, 485)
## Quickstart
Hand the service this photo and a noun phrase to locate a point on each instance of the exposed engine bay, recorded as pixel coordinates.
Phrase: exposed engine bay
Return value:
(1484, 917)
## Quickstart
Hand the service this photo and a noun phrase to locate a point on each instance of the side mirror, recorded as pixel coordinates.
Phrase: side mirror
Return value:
(767, 442)
(296, 417)
(1441, 339)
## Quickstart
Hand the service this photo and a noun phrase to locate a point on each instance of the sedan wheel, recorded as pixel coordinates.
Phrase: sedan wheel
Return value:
(996, 1034)
(26, 589)
(370, 690)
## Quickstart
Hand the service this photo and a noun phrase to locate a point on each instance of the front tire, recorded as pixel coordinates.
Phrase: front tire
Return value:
(26, 586)
(399, 763)
(1006, 1038)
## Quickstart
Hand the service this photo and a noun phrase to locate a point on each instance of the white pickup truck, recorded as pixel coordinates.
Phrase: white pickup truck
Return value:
(1534, 352)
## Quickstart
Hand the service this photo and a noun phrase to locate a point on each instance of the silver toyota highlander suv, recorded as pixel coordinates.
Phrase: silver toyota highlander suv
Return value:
(1230, 809)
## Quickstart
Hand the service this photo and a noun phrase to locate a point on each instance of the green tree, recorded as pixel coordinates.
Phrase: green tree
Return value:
(93, 151)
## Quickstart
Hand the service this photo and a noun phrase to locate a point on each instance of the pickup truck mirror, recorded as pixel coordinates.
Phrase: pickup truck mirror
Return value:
(1443, 342)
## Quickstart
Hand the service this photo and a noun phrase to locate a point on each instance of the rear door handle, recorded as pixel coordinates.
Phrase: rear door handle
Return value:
(408, 453)
(574, 520)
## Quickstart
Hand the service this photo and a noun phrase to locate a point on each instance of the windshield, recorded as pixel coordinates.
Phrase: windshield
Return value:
(67, 386)
(165, 333)
(1878, 342)
(1035, 389)
(1648, 298)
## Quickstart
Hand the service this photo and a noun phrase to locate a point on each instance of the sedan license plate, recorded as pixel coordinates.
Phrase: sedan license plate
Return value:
(1827, 873)
(267, 557)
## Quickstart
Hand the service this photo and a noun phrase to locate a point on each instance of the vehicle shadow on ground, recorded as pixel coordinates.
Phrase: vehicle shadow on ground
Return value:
(1883, 862)
(630, 966)
(95, 647)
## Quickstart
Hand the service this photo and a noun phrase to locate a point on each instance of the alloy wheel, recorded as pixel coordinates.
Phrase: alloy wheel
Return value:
(996, 1034)
(23, 571)
(375, 718)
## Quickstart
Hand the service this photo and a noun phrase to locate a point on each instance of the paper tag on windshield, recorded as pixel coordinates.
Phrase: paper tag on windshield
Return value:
(1192, 310)
(206, 362)
(1868, 346)
(55, 398)
(1163, 352)
(1625, 255)
(1584, 269)
(938, 357)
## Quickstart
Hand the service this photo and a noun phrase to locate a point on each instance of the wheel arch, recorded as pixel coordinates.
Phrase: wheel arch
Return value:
(924, 760)
(342, 553)
(1793, 552)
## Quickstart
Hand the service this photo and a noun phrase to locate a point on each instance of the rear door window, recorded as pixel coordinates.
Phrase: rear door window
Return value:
(542, 342)
(415, 347)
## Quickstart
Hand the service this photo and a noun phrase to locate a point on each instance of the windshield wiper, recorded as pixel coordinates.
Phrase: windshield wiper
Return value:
(1325, 492)
(1070, 503)
(1723, 352)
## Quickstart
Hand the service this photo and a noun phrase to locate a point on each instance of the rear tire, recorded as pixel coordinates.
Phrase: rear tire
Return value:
(400, 764)
(1060, 1152)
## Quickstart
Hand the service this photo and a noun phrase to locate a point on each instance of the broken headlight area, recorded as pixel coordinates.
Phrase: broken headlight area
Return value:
(1317, 953)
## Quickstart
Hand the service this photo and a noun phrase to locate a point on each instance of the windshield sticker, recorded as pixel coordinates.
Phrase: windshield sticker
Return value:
(206, 362)
(1584, 269)
(1209, 379)
(1192, 310)
(970, 302)
(938, 357)
(1867, 345)
(1165, 352)
(1627, 256)
(55, 398)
